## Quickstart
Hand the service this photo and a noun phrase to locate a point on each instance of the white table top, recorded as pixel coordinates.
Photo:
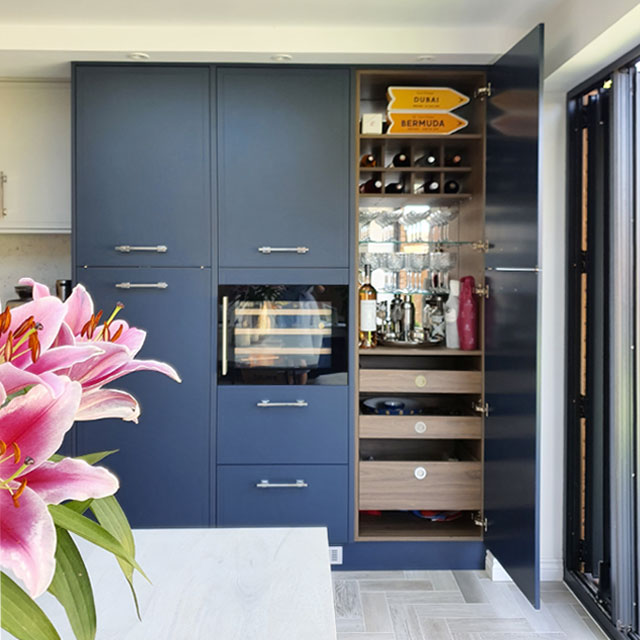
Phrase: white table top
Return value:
(218, 584)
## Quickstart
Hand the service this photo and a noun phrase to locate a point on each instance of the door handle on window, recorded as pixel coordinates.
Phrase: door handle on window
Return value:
(225, 356)
(297, 403)
(265, 484)
(127, 248)
(267, 250)
(141, 285)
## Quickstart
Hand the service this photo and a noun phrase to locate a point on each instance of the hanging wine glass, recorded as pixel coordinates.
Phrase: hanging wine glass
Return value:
(387, 220)
(411, 219)
(396, 262)
(441, 263)
(416, 264)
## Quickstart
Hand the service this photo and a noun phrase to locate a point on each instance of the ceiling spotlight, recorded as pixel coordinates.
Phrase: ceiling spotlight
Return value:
(282, 57)
(138, 55)
(426, 58)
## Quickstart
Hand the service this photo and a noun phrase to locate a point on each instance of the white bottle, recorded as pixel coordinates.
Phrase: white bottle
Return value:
(451, 315)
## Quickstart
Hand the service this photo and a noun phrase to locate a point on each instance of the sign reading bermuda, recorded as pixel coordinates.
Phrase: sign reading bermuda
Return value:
(413, 122)
(424, 99)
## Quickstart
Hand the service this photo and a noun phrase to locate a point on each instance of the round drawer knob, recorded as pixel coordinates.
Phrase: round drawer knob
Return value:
(420, 427)
(420, 381)
(420, 473)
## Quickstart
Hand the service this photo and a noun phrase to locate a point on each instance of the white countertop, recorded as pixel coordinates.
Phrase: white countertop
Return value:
(218, 584)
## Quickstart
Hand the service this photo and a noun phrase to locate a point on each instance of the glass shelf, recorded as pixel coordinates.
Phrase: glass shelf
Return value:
(414, 292)
(418, 242)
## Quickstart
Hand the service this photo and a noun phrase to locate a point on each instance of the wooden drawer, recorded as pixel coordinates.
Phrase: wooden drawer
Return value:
(251, 433)
(416, 381)
(320, 501)
(396, 485)
(450, 427)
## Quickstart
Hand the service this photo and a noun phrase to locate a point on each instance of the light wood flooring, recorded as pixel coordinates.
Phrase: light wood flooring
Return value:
(452, 605)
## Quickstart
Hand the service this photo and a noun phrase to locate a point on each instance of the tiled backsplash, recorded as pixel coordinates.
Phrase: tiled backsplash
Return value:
(43, 257)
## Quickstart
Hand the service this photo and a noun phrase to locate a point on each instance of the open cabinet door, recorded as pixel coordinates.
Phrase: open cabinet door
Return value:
(511, 481)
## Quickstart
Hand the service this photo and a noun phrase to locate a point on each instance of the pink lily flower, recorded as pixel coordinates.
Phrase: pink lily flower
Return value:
(32, 427)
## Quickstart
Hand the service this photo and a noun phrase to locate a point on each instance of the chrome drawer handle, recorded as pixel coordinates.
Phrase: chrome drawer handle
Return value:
(297, 403)
(283, 249)
(127, 248)
(142, 285)
(298, 484)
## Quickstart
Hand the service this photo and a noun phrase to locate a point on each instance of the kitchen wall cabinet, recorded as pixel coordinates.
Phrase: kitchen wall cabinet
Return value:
(283, 146)
(142, 166)
(163, 461)
(35, 157)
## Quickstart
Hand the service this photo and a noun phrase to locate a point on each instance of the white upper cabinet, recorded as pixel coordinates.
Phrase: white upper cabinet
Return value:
(35, 157)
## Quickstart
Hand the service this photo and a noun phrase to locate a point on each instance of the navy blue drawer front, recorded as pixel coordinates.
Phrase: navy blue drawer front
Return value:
(255, 428)
(323, 502)
(142, 165)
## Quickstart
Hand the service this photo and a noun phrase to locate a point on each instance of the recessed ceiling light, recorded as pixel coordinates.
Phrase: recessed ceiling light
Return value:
(426, 58)
(138, 55)
(282, 57)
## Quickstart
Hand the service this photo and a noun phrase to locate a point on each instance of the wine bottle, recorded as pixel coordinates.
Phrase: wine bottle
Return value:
(431, 186)
(468, 315)
(368, 160)
(430, 159)
(368, 311)
(394, 187)
(453, 160)
(400, 160)
(371, 186)
(451, 186)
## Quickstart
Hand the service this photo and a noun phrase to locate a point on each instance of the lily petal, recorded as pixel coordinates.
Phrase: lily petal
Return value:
(62, 357)
(108, 403)
(130, 337)
(71, 479)
(65, 337)
(28, 540)
(79, 308)
(14, 379)
(39, 290)
(143, 365)
(94, 371)
(37, 422)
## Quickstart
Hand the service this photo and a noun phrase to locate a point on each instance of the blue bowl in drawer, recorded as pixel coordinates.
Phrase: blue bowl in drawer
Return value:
(392, 406)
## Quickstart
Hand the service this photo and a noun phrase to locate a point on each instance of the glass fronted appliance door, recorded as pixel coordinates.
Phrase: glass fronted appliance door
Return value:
(283, 334)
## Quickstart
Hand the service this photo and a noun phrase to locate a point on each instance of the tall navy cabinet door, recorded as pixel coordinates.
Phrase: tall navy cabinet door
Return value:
(163, 461)
(284, 162)
(511, 483)
(142, 165)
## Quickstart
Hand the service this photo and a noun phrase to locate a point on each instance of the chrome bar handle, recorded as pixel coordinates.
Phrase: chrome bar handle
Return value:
(3, 180)
(267, 250)
(297, 403)
(141, 285)
(515, 269)
(225, 356)
(298, 484)
(127, 248)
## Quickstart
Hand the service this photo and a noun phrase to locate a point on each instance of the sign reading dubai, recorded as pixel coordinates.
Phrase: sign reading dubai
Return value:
(424, 123)
(424, 99)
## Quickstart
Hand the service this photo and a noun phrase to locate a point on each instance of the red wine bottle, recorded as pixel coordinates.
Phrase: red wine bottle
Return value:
(394, 187)
(371, 186)
(368, 160)
(400, 160)
(430, 159)
(451, 186)
(453, 160)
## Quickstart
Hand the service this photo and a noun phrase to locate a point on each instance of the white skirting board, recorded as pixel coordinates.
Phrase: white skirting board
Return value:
(551, 570)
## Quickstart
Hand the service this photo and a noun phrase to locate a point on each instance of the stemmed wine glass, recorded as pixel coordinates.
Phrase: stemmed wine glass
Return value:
(416, 264)
(395, 263)
(365, 217)
(411, 220)
(439, 219)
(387, 219)
(441, 263)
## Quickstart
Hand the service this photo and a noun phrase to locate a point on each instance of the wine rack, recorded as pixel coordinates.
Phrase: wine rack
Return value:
(411, 465)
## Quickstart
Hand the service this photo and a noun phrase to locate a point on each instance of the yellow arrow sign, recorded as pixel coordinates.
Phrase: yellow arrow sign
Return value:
(424, 98)
(425, 123)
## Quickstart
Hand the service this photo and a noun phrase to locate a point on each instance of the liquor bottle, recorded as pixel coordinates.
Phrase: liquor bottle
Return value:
(451, 186)
(368, 160)
(429, 159)
(368, 312)
(453, 160)
(371, 186)
(431, 186)
(400, 160)
(394, 187)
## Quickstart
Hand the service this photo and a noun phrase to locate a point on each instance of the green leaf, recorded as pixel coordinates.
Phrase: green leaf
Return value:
(110, 515)
(91, 458)
(89, 530)
(79, 507)
(72, 588)
(21, 616)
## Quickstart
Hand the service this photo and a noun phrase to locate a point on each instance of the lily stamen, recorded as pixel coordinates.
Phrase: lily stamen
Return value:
(18, 493)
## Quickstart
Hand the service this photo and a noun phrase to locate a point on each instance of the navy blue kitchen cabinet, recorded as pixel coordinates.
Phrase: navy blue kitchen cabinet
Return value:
(284, 495)
(163, 461)
(284, 165)
(142, 165)
(289, 424)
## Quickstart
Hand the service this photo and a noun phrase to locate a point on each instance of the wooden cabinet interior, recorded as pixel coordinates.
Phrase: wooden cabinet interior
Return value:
(408, 467)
